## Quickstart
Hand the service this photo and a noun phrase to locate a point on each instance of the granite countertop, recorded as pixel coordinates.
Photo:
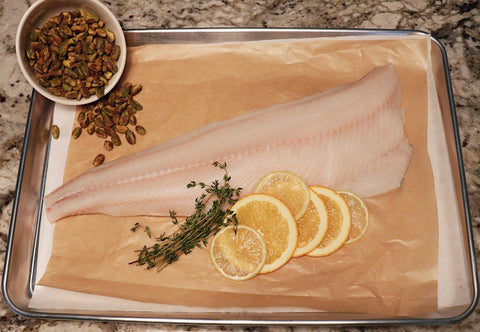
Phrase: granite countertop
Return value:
(455, 23)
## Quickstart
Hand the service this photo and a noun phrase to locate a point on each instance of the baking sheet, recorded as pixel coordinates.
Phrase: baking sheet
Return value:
(447, 296)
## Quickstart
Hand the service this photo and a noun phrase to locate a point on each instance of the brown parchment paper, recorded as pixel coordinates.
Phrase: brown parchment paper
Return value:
(392, 270)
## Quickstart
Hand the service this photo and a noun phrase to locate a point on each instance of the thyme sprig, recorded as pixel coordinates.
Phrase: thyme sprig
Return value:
(194, 232)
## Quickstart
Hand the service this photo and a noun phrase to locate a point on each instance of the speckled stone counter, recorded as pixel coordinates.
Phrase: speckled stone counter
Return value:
(455, 23)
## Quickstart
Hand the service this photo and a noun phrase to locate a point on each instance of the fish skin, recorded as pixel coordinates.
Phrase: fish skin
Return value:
(350, 137)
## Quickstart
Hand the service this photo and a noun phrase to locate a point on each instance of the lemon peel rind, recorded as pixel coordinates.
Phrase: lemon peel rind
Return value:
(346, 224)
(364, 206)
(322, 229)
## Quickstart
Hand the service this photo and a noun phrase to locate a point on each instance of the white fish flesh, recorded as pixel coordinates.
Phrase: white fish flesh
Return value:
(351, 137)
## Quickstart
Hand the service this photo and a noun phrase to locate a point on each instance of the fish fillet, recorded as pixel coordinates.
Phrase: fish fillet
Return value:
(351, 137)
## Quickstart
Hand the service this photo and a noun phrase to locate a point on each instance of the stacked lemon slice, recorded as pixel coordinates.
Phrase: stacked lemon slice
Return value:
(285, 218)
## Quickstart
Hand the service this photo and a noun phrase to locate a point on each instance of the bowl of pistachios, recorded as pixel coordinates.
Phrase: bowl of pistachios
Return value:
(71, 51)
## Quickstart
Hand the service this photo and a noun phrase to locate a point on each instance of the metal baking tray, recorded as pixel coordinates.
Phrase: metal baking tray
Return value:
(21, 255)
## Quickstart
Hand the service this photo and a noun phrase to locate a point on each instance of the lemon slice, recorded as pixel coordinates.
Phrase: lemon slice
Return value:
(312, 226)
(339, 222)
(238, 253)
(274, 221)
(287, 187)
(359, 213)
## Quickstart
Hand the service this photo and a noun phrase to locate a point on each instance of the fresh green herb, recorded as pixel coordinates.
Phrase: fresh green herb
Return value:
(134, 228)
(197, 228)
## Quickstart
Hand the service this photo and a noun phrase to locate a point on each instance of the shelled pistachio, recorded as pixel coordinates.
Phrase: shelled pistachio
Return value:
(55, 132)
(98, 160)
(77, 131)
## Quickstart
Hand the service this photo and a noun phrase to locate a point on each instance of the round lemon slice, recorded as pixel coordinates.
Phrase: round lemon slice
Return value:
(339, 222)
(287, 187)
(359, 213)
(238, 253)
(274, 221)
(312, 226)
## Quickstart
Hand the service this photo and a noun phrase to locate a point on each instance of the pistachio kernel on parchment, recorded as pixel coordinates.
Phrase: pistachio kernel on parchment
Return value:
(98, 160)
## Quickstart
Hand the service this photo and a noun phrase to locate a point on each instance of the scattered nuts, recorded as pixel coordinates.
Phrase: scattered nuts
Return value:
(91, 128)
(109, 118)
(116, 139)
(140, 130)
(130, 136)
(76, 132)
(101, 133)
(99, 159)
(108, 145)
(55, 131)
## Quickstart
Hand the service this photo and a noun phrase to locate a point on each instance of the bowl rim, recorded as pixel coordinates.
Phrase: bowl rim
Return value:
(119, 40)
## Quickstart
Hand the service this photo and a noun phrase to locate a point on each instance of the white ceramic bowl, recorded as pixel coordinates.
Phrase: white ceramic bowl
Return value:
(43, 10)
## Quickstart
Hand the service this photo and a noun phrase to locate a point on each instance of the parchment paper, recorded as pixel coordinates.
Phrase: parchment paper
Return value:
(392, 270)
